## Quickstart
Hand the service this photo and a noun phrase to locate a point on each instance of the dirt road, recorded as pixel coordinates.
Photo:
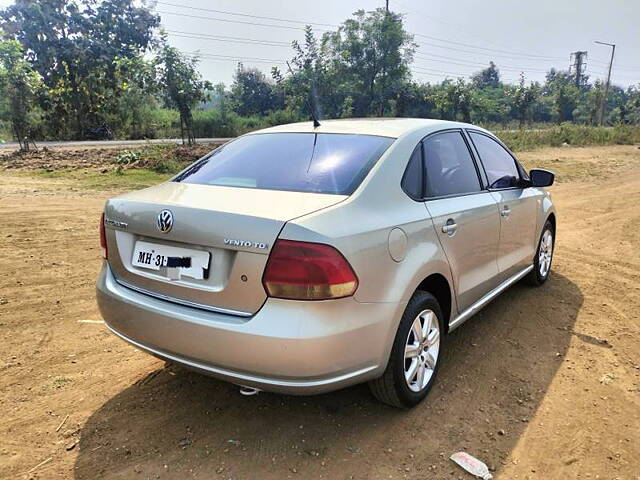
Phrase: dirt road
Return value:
(544, 383)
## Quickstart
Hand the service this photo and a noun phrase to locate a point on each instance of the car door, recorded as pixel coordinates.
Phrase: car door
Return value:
(517, 204)
(464, 215)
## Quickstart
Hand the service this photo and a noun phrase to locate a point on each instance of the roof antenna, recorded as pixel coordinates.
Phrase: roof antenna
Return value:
(316, 122)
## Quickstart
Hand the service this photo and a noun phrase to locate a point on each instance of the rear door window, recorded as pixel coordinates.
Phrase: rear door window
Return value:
(450, 169)
(498, 163)
(302, 162)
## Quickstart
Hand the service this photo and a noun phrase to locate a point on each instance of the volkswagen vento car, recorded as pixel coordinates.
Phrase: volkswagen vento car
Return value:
(302, 259)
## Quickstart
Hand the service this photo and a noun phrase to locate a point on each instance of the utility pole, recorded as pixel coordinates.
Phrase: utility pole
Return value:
(603, 100)
(387, 2)
(578, 66)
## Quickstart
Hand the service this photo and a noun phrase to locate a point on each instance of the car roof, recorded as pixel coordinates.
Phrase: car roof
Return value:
(385, 127)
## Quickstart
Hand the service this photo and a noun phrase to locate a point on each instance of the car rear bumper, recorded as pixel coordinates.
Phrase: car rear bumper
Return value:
(287, 346)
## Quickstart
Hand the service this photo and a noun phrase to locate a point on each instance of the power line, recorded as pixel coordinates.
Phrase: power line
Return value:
(227, 12)
(280, 19)
(627, 67)
(487, 49)
(493, 52)
(249, 41)
(478, 50)
(492, 55)
(430, 58)
(273, 43)
(200, 17)
(421, 69)
(423, 14)
(199, 54)
(253, 41)
(222, 38)
(478, 64)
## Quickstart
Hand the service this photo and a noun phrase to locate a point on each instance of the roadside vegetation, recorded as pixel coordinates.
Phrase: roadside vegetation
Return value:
(134, 168)
(568, 134)
(106, 180)
(117, 75)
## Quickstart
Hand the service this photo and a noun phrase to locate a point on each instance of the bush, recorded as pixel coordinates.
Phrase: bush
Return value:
(145, 121)
(165, 165)
(225, 124)
(157, 123)
(165, 159)
(215, 123)
(126, 158)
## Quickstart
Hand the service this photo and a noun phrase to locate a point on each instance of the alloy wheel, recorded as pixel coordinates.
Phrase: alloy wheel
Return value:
(421, 350)
(545, 253)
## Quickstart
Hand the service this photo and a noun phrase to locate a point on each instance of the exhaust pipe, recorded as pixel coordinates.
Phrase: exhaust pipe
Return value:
(248, 391)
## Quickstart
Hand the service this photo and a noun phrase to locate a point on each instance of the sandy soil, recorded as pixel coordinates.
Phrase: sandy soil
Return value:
(544, 383)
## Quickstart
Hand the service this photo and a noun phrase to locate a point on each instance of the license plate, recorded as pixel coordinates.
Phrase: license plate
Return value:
(155, 256)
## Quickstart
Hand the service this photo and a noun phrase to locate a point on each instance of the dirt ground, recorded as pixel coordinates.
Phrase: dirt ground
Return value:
(103, 158)
(543, 383)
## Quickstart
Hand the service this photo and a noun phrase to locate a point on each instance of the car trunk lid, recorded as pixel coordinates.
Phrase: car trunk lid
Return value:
(229, 230)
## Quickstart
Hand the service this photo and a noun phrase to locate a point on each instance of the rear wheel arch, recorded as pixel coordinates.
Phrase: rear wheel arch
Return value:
(438, 286)
(552, 218)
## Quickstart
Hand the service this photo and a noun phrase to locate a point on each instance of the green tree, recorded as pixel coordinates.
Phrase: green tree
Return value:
(589, 104)
(487, 78)
(74, 46)
(632, 107)
(522, 98)
(455, 100)
(313, 84)
(562, 93)
(370, 54)
(416, 100)
(616, 108)
(182, 86)
(252, 93)
(132, 111)
(491, 105)
(20, 83)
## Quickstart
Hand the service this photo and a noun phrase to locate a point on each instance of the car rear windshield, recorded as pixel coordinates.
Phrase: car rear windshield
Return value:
(302, 162)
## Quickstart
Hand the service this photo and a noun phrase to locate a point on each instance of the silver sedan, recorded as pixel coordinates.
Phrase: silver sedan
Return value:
(302, 259)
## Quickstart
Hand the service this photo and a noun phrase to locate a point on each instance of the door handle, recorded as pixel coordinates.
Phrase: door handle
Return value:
(505, 211)
(450, 227)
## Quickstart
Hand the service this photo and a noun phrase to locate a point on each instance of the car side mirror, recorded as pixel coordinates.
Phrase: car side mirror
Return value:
(541, 178)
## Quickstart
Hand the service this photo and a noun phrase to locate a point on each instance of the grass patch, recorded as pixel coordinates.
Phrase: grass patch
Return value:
(131, 179)
(61, 382)
(568, 134)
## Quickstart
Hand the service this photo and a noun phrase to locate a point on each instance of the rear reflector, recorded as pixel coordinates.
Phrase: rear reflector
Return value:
(103, 237)
(308, 271)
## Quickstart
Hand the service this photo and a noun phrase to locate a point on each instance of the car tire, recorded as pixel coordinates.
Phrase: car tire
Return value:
(400, 386)
(543, 257)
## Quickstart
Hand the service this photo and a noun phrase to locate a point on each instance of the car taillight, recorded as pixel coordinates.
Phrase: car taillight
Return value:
(308, 271)
(103, 237)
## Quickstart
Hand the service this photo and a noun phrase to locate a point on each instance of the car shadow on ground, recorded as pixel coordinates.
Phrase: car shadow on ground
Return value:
(496, 370)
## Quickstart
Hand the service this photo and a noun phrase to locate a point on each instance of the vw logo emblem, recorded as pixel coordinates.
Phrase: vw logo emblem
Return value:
(165, 221)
